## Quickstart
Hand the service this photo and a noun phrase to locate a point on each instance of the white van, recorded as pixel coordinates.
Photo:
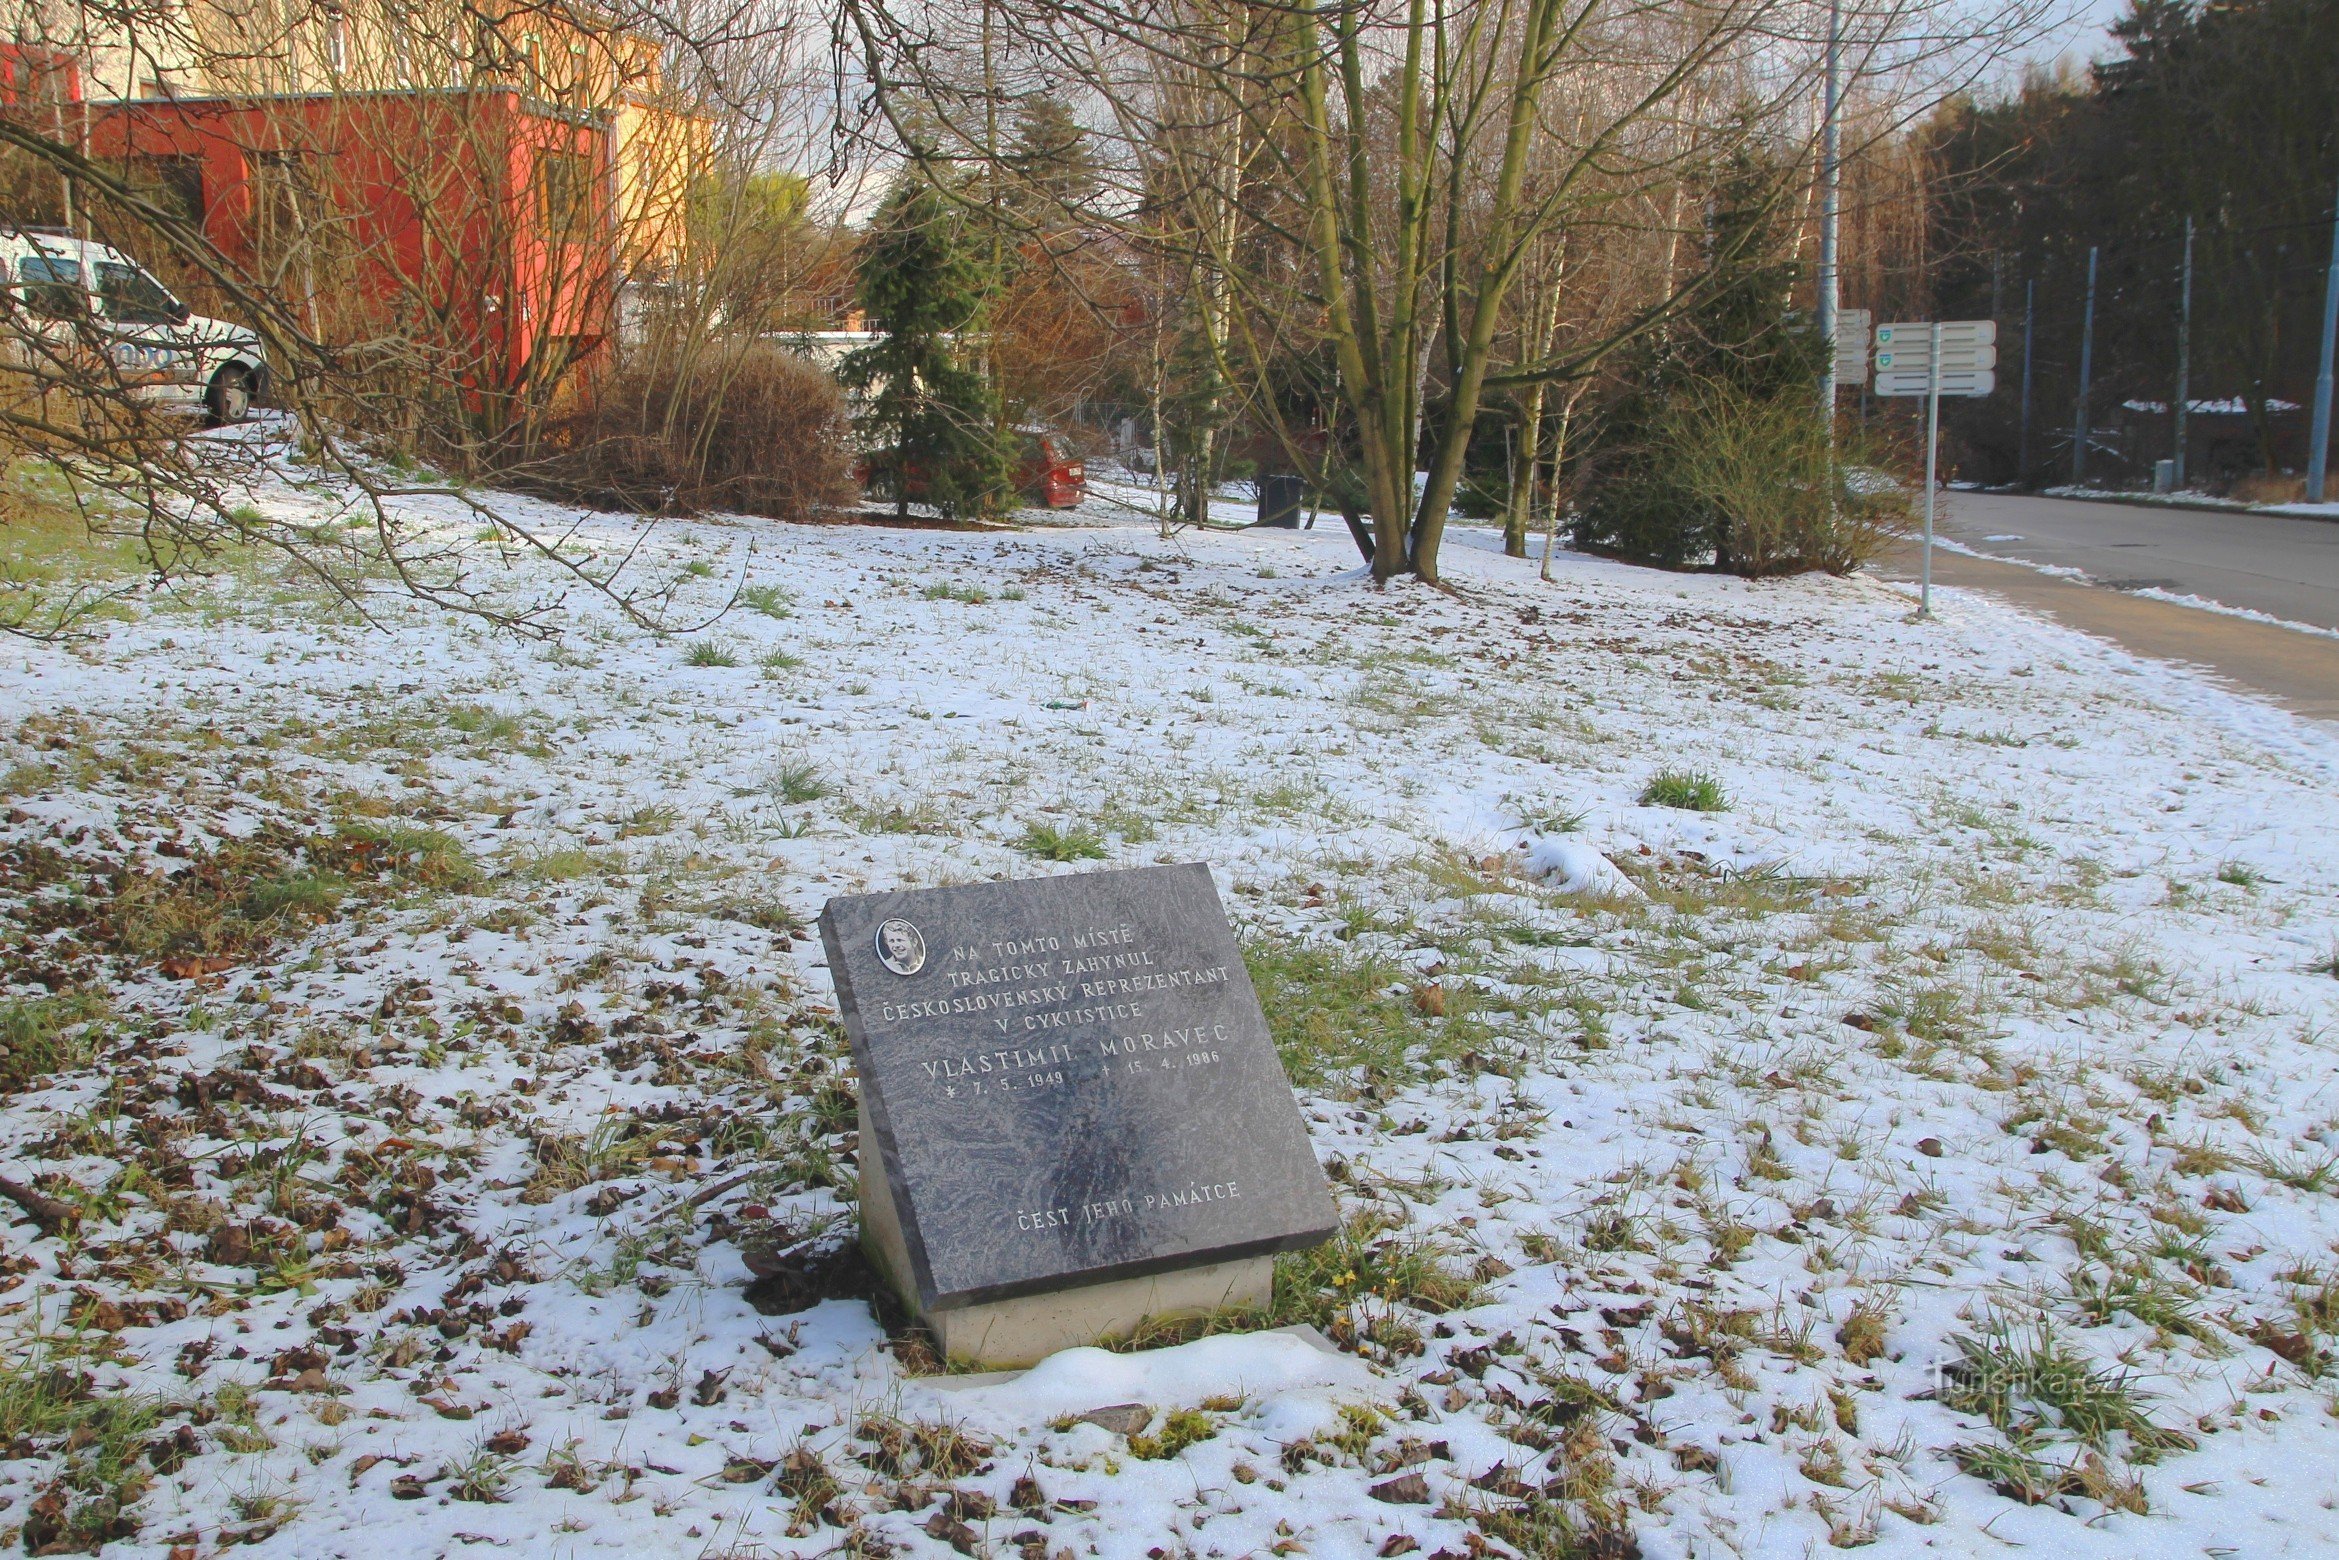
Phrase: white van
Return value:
(63, 289)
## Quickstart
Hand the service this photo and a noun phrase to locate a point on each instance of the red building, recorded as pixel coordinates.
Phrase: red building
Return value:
(467, 233)
(31, 76)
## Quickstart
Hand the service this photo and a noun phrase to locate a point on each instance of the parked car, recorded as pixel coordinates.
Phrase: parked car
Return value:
(68, 291)
(1046, 472)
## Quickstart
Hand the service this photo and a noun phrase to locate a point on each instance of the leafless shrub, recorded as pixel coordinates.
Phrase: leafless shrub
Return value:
(1790, 500)
(760, 430)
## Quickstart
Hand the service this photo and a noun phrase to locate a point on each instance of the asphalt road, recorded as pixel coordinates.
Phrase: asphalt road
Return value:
(2286, 568)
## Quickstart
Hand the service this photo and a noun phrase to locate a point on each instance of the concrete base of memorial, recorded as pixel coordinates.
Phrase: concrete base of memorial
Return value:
(1003, 1334)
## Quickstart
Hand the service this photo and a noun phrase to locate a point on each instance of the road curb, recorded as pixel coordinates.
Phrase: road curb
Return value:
(2155, 501)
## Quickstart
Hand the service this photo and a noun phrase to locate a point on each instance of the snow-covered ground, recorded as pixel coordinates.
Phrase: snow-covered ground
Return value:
(1936, 1149)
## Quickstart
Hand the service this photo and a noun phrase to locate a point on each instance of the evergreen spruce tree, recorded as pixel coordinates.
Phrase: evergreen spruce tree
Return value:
(1050, 168)
(929, 421)
(1742, 331)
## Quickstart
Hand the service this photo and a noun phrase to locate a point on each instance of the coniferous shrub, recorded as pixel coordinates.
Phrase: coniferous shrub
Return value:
(1741, 339)
(929, 423)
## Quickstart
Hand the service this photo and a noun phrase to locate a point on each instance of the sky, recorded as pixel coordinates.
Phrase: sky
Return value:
(2083, 37)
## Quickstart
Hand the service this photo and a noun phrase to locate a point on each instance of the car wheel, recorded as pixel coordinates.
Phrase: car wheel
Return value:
(229, 398)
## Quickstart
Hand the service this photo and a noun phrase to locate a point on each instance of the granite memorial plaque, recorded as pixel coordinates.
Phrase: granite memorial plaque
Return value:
(1067, 1085)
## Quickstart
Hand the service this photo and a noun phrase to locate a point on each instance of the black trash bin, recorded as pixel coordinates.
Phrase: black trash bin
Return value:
(1280, 497)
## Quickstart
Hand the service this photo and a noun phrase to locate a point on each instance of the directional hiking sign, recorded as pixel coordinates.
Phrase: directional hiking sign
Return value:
(1894, 380)
(1963, 352)
(1934, 358)
(1953, 360)
(1954, 333)
(1851, 346)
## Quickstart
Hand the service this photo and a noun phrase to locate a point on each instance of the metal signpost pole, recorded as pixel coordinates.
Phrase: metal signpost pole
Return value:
(2029, 318)
(2319, 456)
(1932, 444)
(2086, 371)
(1831, 182)
(2184, 356)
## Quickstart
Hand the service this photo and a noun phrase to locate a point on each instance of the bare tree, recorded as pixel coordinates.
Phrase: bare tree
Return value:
(1363, 188)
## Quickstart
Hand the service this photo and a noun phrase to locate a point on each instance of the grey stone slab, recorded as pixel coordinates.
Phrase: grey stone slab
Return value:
(1069, 1081)
(1025, 1329)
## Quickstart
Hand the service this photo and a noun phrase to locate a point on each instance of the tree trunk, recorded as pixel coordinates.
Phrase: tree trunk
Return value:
(1567, 410)
(1522, 496)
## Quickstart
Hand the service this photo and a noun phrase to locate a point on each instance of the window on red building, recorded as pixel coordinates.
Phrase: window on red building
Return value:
(173, 183)
(564, 195)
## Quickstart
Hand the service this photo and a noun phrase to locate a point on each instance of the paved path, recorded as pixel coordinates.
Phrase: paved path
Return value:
(2295, 669)
(2286, 568)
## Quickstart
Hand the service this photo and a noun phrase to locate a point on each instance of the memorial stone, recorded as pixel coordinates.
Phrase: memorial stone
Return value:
(1072, 1115)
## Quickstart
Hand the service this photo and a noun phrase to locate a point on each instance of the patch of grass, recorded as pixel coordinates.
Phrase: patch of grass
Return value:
(903, 1448)
(1370, 1258)
(58, 562)
(952, 590)
(222, 905)
(804, 1477)
(424, 858)
(1548, 817)
(296, 896)
(43, 1036)
(1077, 842)
(96, 1446)
(1690, 790)
(489, 728)
(483, 1477)
(2146, 1295)
(1862, 1336)
(24, 779)
(775, 662)
(1396, 698)
(565, 1161)
(557, 865)
(770, 600)
(1937, 1013)
(761, 908)
(1132, 824)
(2131, 972)
(1588, 1523)
(2052, 1121)
(1349, 1022)
(2305, 1172)
(921, 816)
(2240, 874)
(708, 652)
(1179, 1429)
(1765, 890)
(2013, 1472)
(506, 919)
(796, 780)
(656, 818)
(1159, 1332)
(2028, 1383)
